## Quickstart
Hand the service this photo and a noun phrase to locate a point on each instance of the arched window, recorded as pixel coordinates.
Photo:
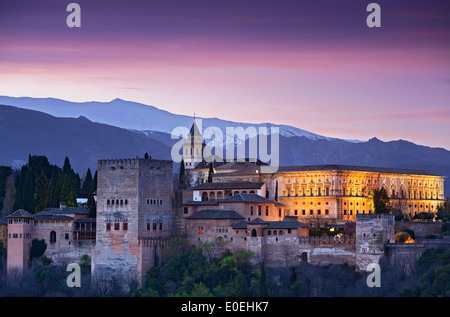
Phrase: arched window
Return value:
(121, 201)
(107, 202)
(204, 196)
(52, 236)
(254, 233)
(126, 201)
(304, 257)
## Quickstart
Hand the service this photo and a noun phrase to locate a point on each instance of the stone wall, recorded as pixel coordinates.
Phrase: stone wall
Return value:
(287, 251)
(421, 228)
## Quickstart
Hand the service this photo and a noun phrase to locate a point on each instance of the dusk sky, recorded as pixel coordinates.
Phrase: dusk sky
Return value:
(313, 64)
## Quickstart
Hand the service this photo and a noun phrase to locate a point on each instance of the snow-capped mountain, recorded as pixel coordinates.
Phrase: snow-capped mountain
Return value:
(137, 116)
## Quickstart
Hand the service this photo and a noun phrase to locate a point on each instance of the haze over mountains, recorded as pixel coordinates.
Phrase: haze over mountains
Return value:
(89, 131)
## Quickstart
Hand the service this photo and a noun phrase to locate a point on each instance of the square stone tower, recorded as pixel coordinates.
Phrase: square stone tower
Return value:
(20, 231)
(373, 232)
(134, 210)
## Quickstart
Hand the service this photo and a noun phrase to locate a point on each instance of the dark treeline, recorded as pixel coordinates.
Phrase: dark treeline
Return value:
(190, 273)
(41, 185)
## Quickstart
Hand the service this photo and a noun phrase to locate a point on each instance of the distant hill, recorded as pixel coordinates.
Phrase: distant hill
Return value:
(24, 132)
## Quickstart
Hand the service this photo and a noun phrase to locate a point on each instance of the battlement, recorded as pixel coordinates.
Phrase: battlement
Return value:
(362, 217)
(327, 240)
(131, 162)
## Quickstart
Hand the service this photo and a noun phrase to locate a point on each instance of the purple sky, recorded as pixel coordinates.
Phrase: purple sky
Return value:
(311, 64)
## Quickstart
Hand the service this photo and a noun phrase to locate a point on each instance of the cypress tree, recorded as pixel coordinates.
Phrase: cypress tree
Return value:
(210, 173)
(68, 194)
(182, 170)
(88, 184)
(28, 193)
(262, 282)
(276, 191)
(41, 192)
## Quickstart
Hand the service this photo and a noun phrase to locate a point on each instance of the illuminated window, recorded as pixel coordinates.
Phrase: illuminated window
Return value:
(200, 230)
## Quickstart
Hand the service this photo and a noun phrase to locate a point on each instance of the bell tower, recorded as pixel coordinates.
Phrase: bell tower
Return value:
(193, 145)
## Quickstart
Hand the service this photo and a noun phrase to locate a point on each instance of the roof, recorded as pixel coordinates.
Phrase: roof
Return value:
(51, 217)
(332, 167)
(221, 163)
(289, 224)
(251, 198)
(86, 220)
(60, 213)
(234, 185)
(20, 213)
(68, 210)
(201, 202)
(194, 130)
(216, 214)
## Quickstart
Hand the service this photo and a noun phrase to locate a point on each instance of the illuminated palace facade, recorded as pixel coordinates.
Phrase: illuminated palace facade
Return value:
(332, 194)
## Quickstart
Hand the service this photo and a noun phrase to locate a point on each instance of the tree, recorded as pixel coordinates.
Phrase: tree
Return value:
(41, 192)
(28, 193)
(88, 184)
(276, 191)
(67, 168)
(92, 206)
(38, 248)
(182, 171)
(263, 292)
(210, 173)
(443, 211)
(68, 194)
(380, 201)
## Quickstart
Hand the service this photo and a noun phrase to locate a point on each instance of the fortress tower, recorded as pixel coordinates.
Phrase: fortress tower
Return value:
(373, 231)
(19, 243)
(134, 210)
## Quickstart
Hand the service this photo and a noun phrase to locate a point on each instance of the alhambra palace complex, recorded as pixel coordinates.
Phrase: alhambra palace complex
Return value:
(270, 214)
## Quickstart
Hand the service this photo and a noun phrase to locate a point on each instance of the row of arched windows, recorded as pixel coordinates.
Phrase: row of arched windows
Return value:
(154, 201)
(117, 202)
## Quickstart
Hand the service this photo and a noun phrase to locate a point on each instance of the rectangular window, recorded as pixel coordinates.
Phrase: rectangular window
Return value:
(116, 226)
(200, 230)
(259, 210)
(185, 210)
(267, 210)
(303, 212)
(66, 236)
(251, 210)
(327, 211)
(160, 226)
(154, 225)
(148, 225)
(319, 211)
(108, 226)
(311, 212)
(125, 226)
